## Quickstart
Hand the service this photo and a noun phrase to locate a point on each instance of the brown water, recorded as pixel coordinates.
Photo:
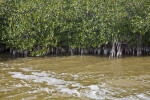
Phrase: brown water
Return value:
(74, 78)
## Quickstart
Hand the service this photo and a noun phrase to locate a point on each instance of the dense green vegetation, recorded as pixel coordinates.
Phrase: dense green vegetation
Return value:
(103, 27)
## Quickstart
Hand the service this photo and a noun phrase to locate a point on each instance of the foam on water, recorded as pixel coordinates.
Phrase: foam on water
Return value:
(39, 77)
(93, 91)
(94, 87)
(3, 64)
(143, 96)
(70, 91)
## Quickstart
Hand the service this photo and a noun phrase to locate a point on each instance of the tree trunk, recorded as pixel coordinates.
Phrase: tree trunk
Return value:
(10, 50)
(25, 53)
(133, 51)
(62, 51)
(81, 51)
(52, 50)
(71, 51)
(119, 51)
(14, 52)
(105, 51)
(113, 51)
(99, 51)
(139, 45)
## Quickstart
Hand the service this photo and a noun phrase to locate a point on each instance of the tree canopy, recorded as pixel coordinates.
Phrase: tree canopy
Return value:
(37, 26)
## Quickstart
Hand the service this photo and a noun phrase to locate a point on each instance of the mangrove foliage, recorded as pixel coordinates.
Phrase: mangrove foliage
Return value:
(101, 27)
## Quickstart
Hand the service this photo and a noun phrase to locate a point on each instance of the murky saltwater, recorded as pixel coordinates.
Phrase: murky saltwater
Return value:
(74, 78)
